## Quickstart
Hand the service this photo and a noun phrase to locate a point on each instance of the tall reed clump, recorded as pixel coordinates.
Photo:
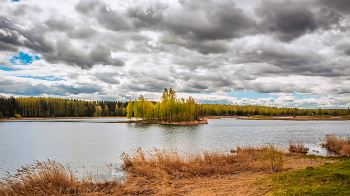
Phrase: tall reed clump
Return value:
(297, 148)
(175, 164)
(340, 145)
(52, 178)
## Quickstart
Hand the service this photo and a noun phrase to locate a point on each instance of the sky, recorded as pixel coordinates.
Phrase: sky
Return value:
(284, 53)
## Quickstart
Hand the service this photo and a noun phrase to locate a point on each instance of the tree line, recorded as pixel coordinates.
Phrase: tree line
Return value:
(169, 108)
(252, 110)
(58, 107)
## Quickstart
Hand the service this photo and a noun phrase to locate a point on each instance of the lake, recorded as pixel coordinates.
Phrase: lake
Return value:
(90, 144)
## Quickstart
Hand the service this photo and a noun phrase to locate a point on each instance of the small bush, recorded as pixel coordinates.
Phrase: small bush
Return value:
(272, 157)
(18, 116)
(345, 151)
(297, 148)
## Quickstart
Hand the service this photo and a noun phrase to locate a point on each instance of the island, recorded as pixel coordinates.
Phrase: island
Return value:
(169, 110)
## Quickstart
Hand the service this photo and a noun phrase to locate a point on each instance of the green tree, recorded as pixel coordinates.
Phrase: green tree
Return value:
(116, 112)
(98, 111)
(129, 109)
(106, 110)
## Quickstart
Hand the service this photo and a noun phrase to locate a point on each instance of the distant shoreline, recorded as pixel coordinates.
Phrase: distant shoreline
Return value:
(297, 118)
(44, 118)
(117, 117)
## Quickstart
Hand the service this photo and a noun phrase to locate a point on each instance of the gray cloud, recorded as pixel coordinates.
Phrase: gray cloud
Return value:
(342, 6)
(59, 24)
(287, 20)
(19, 88)
(110, 19)
(208, 20)
(68, 54)
(33, 38)
(107, 77)
(150, 18)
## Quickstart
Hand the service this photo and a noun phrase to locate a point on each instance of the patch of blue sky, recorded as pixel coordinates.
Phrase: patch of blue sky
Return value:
(47, 78)
(24, 58)
(15, 0)
(7, 68)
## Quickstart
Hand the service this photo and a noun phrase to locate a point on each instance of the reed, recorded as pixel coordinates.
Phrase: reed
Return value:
(340, 145)
(52, 178)
(149, 172)
(176, 164)
(297, 148)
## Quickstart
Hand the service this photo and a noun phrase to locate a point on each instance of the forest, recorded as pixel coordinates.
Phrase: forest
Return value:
(169, 108)
(58, 107)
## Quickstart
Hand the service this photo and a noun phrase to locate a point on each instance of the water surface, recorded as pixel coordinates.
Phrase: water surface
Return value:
(95, 143)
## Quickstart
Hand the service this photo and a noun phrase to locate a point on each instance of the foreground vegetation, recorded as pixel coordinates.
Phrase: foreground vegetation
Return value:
(339, 145)
(175, 172)
(52, 178)
(149, 172)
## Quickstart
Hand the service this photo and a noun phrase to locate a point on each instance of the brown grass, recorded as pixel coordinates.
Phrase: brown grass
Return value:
(340, 145)
(175, 164)
(159, 172)
(297, 148)
(52, 178)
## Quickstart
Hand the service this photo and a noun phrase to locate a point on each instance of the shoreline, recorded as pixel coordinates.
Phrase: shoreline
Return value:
(117, 117)
(185, 122)
(280, 118)
(45, 118)
(297, 119)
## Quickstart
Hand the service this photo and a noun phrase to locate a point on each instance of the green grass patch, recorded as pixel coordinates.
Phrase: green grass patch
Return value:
(312, 156)
(347, 116)
(327, 179)
(315, 116)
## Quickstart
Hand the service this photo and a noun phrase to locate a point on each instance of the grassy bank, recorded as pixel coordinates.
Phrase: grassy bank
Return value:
(327, 179)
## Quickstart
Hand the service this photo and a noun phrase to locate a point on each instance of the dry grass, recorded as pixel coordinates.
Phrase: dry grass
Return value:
(340, 145)
(52, 178)
(297, 148)
(159, 172)
(175, 164)
(164, 172)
